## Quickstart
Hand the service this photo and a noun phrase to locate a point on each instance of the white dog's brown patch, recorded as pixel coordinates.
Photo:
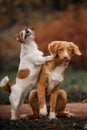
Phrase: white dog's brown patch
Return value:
(23, 73)
(7, 88)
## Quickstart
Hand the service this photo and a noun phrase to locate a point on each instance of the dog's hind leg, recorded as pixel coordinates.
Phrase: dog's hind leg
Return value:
(61, 104)
(16, 99)
(14, 106)
(33, 100)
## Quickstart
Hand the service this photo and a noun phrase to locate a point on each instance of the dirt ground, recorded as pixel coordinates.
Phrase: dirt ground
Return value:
(79, 109)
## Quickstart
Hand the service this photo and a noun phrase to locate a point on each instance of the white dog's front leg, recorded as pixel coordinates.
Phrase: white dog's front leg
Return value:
(43, 111)
(42, 60)
(49, 58)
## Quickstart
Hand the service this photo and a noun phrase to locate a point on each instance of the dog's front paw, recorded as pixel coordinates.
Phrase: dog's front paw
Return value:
(50, 57)
(23, 116)
(52, 115)
(68, 114)
(43, 111)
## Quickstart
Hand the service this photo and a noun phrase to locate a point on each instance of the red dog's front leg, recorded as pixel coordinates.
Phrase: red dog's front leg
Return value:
(42, 100)
(53, 102)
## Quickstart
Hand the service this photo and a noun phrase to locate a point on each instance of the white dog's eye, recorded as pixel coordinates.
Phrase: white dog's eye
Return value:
(21, 34)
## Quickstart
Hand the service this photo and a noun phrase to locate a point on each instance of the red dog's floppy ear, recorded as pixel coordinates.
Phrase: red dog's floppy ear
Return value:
(76, 49)
(53, 47)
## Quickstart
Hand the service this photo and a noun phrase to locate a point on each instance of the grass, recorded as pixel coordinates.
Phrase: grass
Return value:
(45, 124)
(75, 84)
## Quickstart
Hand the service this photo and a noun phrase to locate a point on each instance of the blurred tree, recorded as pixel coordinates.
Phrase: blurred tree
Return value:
(60, 4)
(28, 12)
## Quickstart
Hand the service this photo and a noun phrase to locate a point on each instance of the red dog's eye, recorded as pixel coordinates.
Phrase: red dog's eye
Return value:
(69, 49)
(60, 49)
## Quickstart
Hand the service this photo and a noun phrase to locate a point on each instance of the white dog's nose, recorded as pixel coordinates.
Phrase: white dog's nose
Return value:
(26, 30)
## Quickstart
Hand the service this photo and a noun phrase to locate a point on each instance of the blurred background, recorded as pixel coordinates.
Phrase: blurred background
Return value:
(52, 20)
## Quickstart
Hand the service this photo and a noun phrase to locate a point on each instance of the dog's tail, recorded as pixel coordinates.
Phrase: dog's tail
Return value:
(5, 84)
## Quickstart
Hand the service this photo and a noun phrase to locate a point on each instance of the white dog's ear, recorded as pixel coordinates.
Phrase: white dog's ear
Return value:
(18, 38)
(53, 47)
(76, 49)
(32, 28)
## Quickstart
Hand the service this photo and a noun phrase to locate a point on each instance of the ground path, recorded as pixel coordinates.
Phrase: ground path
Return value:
(79, 109)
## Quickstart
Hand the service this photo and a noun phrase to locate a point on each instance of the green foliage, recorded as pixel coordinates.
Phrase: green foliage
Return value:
(76, 93)
(75, 84)
(75, 77)
(4, 96)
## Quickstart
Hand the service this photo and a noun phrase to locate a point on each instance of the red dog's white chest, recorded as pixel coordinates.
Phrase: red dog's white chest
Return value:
(55, 77)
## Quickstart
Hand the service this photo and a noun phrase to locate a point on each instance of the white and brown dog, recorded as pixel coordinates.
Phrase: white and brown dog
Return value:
(48, 92)
(31, 60)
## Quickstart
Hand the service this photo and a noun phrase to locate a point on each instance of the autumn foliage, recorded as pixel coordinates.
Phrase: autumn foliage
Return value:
(66, 25)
